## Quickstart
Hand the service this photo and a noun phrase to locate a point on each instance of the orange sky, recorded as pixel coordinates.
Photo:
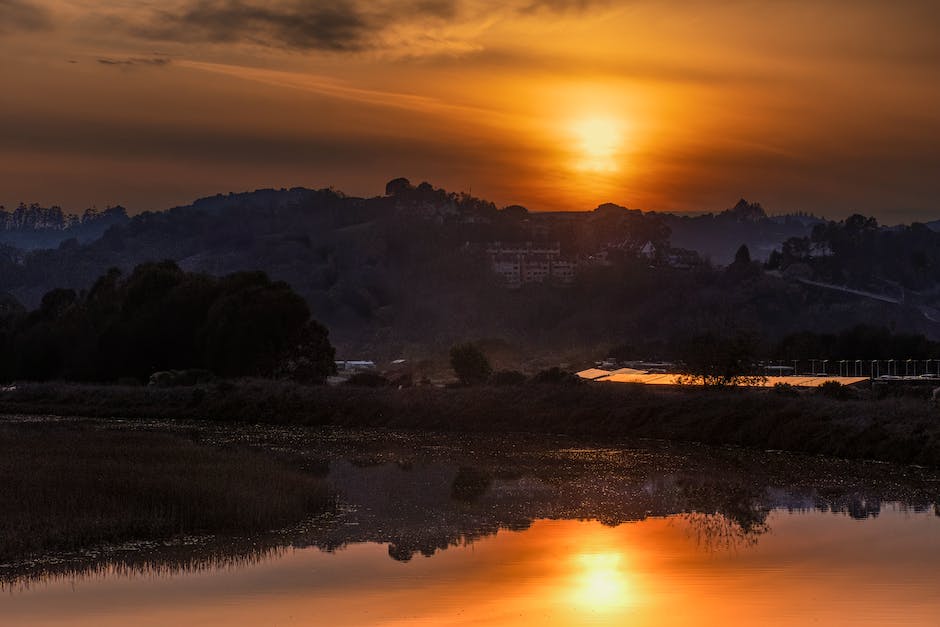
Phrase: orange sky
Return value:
(825, 106)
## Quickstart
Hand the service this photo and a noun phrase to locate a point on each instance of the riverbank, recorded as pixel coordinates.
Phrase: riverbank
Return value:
(896, 429)
(65, 487)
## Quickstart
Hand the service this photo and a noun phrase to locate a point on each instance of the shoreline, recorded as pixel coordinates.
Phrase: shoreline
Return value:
(899, 430)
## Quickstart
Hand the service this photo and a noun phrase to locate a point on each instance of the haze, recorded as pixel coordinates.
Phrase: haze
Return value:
(822, 106)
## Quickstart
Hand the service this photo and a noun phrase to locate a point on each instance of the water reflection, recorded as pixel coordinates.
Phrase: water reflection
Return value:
(523, 530)
(601, 584)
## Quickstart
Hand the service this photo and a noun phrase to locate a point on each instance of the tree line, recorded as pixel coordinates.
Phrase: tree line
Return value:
(859, 252)
(159, 318)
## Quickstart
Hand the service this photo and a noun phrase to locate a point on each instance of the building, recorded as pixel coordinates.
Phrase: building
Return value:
(522, 263)
(350, 366)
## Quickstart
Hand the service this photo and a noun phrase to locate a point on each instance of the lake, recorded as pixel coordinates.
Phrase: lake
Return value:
(522, 530)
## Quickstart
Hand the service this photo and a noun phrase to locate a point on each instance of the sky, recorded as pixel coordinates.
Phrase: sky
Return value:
(825, 106)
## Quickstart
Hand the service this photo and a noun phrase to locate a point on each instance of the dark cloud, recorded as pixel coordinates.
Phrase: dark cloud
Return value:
(21, 15)
(560, 6)
(336, 26)
(136, 61)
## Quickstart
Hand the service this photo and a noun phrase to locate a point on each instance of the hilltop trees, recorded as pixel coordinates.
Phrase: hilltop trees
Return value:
(33, 226)
(161, 318)
(858, 253)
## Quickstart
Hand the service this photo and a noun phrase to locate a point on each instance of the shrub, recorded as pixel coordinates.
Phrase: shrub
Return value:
(508, 377)
(785, 389)
(470, 364)
(834, 389)
(556, 376)
(367, 380)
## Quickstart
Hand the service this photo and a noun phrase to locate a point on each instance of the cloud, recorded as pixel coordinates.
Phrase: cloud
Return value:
(340, 26)
(136, 61)
(22, 15)
(561, 6)
(428, 26)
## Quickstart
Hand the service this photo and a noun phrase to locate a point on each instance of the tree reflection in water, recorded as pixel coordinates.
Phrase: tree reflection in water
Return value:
(420, 494)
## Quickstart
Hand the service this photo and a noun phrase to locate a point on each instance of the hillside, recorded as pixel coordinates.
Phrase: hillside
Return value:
(408, 273)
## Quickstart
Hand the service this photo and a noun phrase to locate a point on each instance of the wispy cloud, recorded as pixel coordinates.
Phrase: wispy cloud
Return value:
(22, 15)
(335, 88)
(136, 61)
(337, 26)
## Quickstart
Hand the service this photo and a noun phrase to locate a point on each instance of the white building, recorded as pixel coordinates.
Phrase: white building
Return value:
(519, 264)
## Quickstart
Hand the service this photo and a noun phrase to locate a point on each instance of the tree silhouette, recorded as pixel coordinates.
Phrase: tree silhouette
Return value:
(470, 364)
(161, 318)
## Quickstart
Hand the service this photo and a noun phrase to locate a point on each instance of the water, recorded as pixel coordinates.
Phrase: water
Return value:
(520, 530)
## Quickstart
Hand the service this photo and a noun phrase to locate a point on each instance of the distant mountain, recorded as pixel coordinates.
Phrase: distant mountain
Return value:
(718, 236)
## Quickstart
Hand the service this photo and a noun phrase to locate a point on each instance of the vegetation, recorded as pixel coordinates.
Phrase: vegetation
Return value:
(407, 275)
(834, 389)
(64, 488)
(507, 377)
(470, 364)
(720, 360)
(32, 226)
(859, 253)
(160, 318)
(897, 429)
(858, 342)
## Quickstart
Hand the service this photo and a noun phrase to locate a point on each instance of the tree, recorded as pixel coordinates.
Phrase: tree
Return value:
(398, 186)
(743, 267)
(161, 318)
(718, 360)
(252, 325)
(470, 364)
(310, 358)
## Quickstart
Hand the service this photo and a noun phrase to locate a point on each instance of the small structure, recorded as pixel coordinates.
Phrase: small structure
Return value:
(592, 374)
(351, 366)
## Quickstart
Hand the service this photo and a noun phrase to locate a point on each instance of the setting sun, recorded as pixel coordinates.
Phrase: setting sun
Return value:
(598, 141)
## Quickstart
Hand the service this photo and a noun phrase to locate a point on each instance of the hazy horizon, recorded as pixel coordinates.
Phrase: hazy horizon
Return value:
(825, 107)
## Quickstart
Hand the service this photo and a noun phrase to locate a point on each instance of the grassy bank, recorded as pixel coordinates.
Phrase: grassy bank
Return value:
(70, 487)
(904, 430)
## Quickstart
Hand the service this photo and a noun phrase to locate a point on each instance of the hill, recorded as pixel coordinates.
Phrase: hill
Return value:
(411, 272)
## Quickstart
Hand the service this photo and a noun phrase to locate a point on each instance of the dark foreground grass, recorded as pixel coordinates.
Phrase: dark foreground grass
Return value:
(70, 487)
(896, 429)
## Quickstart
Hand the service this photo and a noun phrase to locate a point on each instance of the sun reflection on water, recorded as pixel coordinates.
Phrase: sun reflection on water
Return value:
(601, 584)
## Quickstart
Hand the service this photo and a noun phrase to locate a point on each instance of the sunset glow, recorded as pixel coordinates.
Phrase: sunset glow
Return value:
(601, 583)
(598, 140)
(804, 105)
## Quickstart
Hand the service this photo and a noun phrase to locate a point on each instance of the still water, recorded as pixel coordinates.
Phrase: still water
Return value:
(438, 530)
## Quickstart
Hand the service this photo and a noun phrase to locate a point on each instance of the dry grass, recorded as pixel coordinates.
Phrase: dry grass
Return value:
(64, 488)
(896, 429)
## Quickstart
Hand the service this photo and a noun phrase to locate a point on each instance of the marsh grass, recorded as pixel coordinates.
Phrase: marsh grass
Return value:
(69, 487)
(897, 429)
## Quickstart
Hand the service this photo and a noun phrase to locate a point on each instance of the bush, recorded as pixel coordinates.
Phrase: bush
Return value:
(508, 377)
(367, 380)
(556, 376)
(470, 364)
(785, 389)
(834, 389)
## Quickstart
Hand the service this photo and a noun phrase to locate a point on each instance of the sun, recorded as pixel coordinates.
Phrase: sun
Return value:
(597, 142)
